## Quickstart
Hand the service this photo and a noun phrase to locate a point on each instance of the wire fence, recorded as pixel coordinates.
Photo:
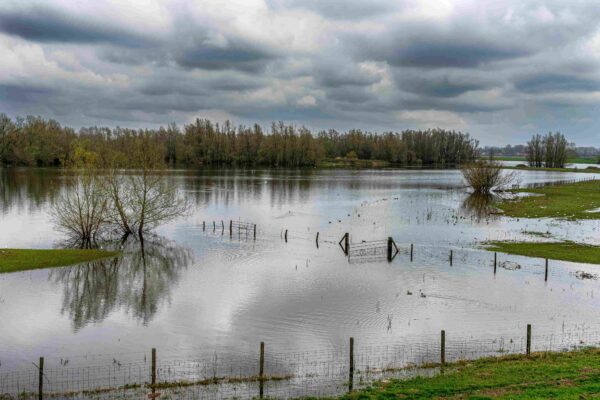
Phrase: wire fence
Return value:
(325, 372)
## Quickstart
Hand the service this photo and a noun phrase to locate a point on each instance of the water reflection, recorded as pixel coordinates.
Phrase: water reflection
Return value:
(137, 282)
(481, 206)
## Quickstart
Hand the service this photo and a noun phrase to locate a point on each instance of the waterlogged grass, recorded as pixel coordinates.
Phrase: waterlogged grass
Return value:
(573, 160)
(564, 251)
(569, 201)
(13, 260)
(591, 169)
(572, 375)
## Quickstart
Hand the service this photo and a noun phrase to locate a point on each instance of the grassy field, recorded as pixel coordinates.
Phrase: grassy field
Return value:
(569, 201)
(590, 169)
(572, 375)
(573, 160)
(13, 260)
(565, 251)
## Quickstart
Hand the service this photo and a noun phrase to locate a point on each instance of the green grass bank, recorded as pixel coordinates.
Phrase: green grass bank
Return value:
(569, 201)
(14, 260)
(564, 251)
(570, 375)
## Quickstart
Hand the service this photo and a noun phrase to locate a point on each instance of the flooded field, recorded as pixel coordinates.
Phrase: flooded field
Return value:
(198, 290)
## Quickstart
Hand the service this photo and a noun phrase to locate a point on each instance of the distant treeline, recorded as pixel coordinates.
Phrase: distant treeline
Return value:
(34, 141)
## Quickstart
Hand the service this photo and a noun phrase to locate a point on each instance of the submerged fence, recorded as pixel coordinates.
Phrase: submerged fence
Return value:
(272, 374)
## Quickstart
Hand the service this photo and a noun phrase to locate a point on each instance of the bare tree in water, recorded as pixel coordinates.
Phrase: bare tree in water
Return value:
(143, 200)
(82, 210)
(485, 176)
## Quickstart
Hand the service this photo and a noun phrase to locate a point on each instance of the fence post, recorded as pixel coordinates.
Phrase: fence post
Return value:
(411, 251)
(153, 369)
(230, 227)
(285, 235)
(389, 249)
(317, 240)
(347, 243)
(528, 346)
(254, 231)
(203, 226)
(41, 379)
(261, 373)
(351, 373)
(451, 256)
(443, 349)
(214, 226)
(546, 273)
(495, 262)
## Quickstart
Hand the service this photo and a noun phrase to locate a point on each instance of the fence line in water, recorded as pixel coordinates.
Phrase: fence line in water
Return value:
(273, 374)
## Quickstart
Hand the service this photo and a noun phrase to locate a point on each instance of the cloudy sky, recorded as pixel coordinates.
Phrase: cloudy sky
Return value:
(499, 69)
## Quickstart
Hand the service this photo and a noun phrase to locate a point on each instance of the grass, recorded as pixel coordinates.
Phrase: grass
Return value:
(565, 251)
(571, 375)
(590, 169)
(14, 260)
(573, 160)
(569, 201)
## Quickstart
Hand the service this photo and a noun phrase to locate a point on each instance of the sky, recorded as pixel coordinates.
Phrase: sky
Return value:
(501, 70)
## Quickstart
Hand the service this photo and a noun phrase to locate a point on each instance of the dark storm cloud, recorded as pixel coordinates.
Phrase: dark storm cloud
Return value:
(44, 24)
(435, 50)
(544, 83)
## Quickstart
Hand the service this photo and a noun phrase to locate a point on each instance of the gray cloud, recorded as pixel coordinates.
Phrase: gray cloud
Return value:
(378, 65)
(45, 24)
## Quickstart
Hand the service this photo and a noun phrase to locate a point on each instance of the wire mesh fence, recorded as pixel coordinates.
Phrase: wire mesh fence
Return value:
(316, 372)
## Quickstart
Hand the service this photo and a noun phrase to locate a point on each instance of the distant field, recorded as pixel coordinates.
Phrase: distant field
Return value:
(574, 160)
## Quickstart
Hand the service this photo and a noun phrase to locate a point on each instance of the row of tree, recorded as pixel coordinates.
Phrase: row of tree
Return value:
(34, 141)
(550, 150)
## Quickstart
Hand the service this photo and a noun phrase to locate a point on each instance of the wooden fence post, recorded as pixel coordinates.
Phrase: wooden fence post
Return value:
(528, 345)
(41, 379)
(230, 227)
(495, 262)
(317, 240)
(261, 373)
(443, 349)
(351, 373)
(411, 251)
(203, 226)
(546, 273)
(214, 226)
(389, 249)
(451, 256)
(285, 235)
(254, 231)
(347, 243)
(153, 370)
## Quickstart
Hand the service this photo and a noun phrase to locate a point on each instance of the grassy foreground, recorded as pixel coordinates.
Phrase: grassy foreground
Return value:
(572, 375)
(13, 260)
(565, 251)
(569, 201)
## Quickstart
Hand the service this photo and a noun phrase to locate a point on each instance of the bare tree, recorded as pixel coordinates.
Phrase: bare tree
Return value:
(82, 210)
(485, 176)
(142, 201)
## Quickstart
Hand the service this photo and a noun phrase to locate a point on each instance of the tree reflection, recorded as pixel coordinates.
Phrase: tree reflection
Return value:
(137, 282)
(481, 206)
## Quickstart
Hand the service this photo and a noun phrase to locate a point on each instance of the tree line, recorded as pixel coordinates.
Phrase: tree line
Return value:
(550, 150)
(35, 141)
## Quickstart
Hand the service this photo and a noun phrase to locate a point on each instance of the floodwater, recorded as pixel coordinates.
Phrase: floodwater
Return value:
(195, 290)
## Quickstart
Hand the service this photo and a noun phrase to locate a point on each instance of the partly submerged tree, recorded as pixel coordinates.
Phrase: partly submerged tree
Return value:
(141, 201)
(82, 210)
(485, 176)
